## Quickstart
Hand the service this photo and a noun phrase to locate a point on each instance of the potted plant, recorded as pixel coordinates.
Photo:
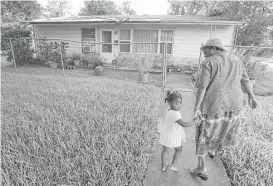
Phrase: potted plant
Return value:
(144, 65)
(51, 52)
(76, 59)
(54, 58)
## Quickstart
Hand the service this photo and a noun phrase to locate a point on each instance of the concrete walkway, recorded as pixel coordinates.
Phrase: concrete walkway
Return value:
(155, 177)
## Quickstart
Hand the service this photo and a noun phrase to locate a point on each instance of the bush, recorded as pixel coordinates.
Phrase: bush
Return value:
(250, 162)
(49, 50)
(94, 60)
(253, 67)
(76, 56)
(23, 52)
(13, 31)
(144, 62)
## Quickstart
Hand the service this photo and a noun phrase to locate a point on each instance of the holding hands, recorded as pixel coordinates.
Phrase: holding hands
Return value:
(197, 114)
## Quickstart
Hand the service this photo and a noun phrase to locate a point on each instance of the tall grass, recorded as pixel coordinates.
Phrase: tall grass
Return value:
(251, 161)
(264, 83)
(79, 131)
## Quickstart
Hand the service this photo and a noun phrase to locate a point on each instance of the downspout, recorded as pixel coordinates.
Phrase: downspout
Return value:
(210, 31)
(235, 37)
(99, 39)
(214, 30)
(33, 42)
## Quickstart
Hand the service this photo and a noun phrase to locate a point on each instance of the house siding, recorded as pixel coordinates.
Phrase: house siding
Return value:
(187, 38)
(72, 33)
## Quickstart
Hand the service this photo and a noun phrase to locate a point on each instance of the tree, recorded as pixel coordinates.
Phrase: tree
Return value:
(178, 7)
(255, 15)
(13, 13)
(126, 9)
(57, 8)
(99, 7)
(16, 11)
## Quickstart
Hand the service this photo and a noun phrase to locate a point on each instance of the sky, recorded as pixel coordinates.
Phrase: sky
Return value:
(150, 7)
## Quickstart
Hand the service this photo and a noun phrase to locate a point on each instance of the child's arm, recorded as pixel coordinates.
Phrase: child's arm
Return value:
(187, 124)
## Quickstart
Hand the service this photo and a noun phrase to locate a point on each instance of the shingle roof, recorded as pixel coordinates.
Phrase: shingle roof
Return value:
(162, 19)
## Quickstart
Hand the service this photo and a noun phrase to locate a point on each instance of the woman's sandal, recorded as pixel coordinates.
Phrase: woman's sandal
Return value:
(201, 175)
(211, 155)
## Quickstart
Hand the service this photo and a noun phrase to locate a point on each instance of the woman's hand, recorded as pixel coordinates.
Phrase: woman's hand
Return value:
(252, 102)
(196, 120)
(197, 114)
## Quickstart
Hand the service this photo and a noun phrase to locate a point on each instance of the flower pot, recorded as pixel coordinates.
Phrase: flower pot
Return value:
(53, 65)
(98, 71)
(143, 78)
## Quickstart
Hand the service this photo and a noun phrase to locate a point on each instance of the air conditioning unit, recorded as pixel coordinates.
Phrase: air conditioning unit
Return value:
(87, 48)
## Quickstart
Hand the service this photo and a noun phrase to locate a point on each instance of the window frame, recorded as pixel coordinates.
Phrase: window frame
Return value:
(111, 43)
(160, 30)
(144, 29)
(89, 42)
(130, 41)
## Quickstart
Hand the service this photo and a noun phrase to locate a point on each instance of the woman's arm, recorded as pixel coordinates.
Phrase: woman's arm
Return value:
(248, 88)
(183, 123)
(251, 98)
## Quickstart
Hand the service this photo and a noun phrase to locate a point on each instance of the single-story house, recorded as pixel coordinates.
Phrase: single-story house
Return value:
(112, 35)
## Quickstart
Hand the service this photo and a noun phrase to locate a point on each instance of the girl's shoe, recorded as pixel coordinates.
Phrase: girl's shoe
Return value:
(201, 175)
(164, 168)
(174, 168)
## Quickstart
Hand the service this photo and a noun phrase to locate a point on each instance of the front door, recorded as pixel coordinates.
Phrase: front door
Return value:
(107, 47)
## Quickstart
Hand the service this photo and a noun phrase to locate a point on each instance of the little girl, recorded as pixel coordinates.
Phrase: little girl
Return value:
(172, 133)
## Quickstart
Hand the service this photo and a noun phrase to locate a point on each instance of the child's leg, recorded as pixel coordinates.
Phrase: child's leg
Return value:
(176, 155)
(164, 154)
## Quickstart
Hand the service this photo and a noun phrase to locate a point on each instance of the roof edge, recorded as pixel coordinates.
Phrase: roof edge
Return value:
(142, 22)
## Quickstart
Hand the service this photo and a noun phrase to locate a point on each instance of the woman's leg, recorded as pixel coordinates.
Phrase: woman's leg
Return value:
(176, 155)
(201, 165)
(201, 169)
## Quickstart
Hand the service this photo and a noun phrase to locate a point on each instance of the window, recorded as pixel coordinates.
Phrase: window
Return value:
(88, 38)
(167, 36)
(107, 39)
(125, 37)
(145, 36)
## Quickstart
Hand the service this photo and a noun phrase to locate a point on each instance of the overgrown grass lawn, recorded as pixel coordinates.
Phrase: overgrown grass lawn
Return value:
(264, 83)
(251, 161)
(75, 130)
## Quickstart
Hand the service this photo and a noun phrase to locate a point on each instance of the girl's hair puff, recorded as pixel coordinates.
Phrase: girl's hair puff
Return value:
(171, 95)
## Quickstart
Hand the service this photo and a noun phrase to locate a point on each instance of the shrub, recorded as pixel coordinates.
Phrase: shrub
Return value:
(253, 67)
(23, 52)
(250, 162)
(76, 56)
(14, 31)
(144, 62)
(94, 60)
(49, 50)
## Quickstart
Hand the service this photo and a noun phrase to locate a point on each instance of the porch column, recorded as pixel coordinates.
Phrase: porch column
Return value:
(116, 42)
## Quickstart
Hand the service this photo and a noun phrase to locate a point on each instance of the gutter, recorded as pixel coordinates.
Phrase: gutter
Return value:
(137, 22)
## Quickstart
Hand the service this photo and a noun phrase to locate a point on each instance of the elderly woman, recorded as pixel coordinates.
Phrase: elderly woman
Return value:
(219, 100)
